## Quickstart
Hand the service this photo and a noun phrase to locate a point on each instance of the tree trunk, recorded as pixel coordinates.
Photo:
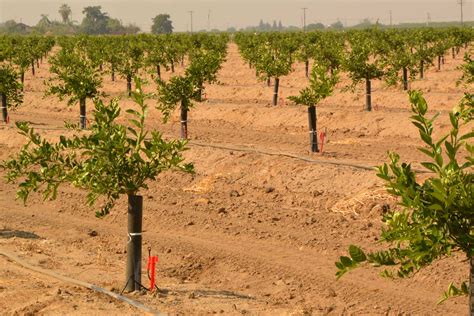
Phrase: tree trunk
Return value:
(471, 286)
(405, 78)
(158, 71)
(129, 85)
(422, 73)
(269, 82)
(22, 78)
(313, 132)
(172, 67)
(442, 60)
(82, 116)
(453, 52)
(306, 68)
(439, 63)
(275, 91)
(33, 67)
(368, 94)
(4, 107)
(101, 67)
(133, 277)
(184, 120)
(113, 72)
(37, 63)
(200, 89)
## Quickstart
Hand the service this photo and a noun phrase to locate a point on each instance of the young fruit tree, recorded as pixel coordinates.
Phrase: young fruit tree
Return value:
(364, 61)
(111, 161)
(274, 60)
(203, 68)
(75, 76)
(131, 58)
(321, 86)
(11, 90)
(436, 217)
(399, 58)
(179, 89)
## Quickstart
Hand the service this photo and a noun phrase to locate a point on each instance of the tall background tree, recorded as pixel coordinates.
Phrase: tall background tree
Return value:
(162, 24)
(65, 12)
(95, 21)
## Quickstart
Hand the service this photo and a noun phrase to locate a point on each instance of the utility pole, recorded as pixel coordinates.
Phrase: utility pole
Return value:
(304, 18)
(209, 21)
(191, 16)
(461, 4)
(391, 21)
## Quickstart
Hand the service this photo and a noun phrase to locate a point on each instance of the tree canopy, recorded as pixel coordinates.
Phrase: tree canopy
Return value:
(162, 24)
(65, 12)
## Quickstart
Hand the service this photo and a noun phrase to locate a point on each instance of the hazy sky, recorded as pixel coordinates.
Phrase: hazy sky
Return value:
(226, 13)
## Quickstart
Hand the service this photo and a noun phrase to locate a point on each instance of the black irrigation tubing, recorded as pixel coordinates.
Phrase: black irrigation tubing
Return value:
(271, 153)
(293, 156)
(92, 287)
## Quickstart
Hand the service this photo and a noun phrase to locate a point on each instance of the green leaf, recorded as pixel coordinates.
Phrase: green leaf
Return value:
(357, 254)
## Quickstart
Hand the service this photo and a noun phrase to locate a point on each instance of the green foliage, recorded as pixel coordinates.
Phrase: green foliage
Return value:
(454, 291)
(364, 60)
(436, 217)
(270, 53)
(10, 86)
(204, 67)
(131, 56)
(321, 86)
(178, 90)
(329, 50)
(95, 21)
(399, 56)
(75, 74)
(162, 24)
(112, 160)
(65, 12)
(467, 69)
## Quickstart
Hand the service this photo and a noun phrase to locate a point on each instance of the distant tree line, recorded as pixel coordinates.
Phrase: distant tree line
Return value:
(95, 21)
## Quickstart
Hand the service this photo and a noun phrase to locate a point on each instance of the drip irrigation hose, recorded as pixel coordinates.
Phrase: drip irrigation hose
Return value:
(293, 156)
(270, 153)
(92, 287)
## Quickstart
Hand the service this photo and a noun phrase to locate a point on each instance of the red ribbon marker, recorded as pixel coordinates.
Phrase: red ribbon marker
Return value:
(322, 135)
(152, 261)
(282, 101)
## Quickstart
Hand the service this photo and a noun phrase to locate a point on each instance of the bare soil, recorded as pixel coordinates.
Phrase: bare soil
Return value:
(254, 231)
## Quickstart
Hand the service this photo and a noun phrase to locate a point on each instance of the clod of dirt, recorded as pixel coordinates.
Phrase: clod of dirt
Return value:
(93, 233)
(235, 193)
(269, 189)
(202, 201)
(222, 210)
